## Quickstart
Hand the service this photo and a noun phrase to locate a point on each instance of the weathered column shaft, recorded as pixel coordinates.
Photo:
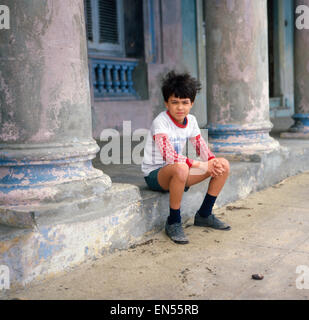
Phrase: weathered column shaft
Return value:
(44, 87)
(45, 134)
(237, 76)
(301, 81)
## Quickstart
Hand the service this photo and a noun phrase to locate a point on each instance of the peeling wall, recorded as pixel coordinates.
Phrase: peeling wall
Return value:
(111, 114)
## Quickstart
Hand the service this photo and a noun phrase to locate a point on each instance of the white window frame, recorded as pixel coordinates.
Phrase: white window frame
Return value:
(107, 48)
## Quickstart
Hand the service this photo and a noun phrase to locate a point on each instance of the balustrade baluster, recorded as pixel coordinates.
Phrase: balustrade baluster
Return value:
(100, 79)
(123, 82)
(130, 82)
(116, 82)
(108, 81)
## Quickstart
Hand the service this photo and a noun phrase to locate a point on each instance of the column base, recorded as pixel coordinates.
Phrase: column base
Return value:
(241, 143)
(300, 129)
(49, 180)
(66, 200)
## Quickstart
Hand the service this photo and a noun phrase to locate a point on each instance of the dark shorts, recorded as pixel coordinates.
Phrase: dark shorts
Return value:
(153, 184)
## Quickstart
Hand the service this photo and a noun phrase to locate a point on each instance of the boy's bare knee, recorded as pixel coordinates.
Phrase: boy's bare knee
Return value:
(226, 165)
(181, 171)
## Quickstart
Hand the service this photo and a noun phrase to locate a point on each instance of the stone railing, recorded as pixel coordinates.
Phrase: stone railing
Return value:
(112, 77)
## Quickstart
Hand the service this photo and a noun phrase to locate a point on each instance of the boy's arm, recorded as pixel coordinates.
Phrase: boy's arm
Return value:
(201, 148)
(170, 155)
(168, 152)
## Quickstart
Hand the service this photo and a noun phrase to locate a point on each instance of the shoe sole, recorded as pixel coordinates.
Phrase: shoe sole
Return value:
(180, 242)
(202, 225)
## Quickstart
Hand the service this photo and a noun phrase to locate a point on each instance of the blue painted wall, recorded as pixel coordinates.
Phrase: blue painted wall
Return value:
(189, 35)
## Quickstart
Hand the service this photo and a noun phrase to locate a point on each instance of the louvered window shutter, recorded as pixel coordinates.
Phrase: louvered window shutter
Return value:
(88, 15)
(105, 23)
(108, 21)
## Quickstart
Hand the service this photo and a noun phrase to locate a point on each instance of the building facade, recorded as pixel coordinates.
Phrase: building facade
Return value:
(180, 35)
(70, 69)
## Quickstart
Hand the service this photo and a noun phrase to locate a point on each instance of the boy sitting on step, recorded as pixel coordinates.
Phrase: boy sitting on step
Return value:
(164, 166)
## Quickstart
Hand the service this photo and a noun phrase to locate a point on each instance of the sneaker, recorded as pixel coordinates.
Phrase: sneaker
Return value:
(211, 221)
(175, 232)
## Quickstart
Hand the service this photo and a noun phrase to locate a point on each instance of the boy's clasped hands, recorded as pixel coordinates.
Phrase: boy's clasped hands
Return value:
(214, 167)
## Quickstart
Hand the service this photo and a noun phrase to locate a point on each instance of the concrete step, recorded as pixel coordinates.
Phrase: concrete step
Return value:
(127, 214)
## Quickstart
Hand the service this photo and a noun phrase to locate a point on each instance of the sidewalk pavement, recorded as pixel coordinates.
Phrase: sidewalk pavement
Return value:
(269, 236)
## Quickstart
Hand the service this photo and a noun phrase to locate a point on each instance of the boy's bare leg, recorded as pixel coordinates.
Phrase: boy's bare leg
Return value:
(216, 183)
(204, 216)
(173, 177)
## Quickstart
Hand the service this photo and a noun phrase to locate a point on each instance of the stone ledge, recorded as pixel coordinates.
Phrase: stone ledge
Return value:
(131, 215)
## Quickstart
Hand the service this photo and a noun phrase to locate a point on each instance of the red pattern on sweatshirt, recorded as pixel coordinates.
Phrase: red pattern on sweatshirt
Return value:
(201, 148)
(170, 155)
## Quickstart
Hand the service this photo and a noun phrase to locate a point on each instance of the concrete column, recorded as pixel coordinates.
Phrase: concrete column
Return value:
(300, 129)
(46, 143)
(237, 77)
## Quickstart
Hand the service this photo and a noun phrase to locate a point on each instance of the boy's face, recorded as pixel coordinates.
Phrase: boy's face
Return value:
(178, 108)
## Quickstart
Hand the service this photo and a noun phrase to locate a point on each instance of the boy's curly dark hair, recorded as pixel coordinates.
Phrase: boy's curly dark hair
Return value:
(180, 85)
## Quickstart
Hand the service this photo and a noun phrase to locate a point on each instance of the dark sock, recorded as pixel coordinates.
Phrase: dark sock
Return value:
(174, 216)
(207, 205)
